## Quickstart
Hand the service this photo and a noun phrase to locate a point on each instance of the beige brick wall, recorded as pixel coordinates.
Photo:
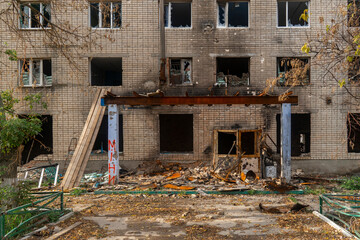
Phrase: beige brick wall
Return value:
(137, 42)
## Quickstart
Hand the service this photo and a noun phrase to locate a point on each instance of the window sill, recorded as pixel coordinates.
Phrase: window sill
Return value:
(305, 27)
(120, 28)
(176, 153)
(178, 28)
(232, 28)
(33, 29)
(36, 86)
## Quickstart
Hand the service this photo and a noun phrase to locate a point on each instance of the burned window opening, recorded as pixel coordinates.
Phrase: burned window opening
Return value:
(35, 15)
(233, 14)
(293, 13)
(35, 72)
(105, 15)
(34, 148)
(353, 13)
(300, 133)
(232, 72)
(101, 141)
(177, 15)
(248, 143)
(180, 71)
(176, 133)
(106, 72)
(293, 71)
(227, 141)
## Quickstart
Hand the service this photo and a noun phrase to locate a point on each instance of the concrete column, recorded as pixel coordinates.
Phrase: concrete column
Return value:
(286, 141)
(113, 144)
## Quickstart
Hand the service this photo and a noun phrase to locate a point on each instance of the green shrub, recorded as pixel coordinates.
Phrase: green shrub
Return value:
(352, 183)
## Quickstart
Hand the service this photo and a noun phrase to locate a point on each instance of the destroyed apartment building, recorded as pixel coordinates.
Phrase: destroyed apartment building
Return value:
(183, 87)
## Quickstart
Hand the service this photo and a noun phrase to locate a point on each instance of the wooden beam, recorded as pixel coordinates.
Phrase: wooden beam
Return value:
(148, 101)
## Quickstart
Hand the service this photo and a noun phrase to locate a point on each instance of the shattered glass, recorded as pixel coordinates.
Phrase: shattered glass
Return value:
(221, 16)
(24, 18)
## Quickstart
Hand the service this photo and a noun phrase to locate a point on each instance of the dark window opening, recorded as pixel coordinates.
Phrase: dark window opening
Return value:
(106, 72)
(176, 132)
(353, 132)
(226, 142)
(296, 12)
(105, 15)
(248, 143)
(34, 148)
(101, 141)
(177, 15)
(233, 14)
(353, 13)
(300, 133)
(180, 71)
(293, 71)
(232, 72)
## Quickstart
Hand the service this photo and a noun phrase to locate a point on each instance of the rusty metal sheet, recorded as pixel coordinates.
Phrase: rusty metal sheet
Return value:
(193, 100)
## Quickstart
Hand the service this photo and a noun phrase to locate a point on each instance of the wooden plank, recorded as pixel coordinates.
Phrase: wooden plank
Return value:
(83, 148)
(62, 232)
(74, 158)
(90, 146)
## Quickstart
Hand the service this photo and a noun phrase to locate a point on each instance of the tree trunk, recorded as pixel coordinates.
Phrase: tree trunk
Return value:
(8, 166)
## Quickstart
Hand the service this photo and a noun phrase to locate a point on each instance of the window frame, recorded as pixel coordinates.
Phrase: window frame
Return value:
(279, 59)
(287, 14)
(227, 15)
(168, 26)
(30, 73)
(100, 17)
(182, 72)
(41, 22)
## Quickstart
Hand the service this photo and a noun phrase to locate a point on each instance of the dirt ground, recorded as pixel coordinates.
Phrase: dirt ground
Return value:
(127, 217)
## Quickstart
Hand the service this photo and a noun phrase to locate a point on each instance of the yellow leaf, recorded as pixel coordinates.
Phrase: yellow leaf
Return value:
(342, 83)
(305, 48)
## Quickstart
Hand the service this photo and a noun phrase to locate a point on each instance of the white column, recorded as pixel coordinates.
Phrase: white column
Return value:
(113, 144)
(286, 141)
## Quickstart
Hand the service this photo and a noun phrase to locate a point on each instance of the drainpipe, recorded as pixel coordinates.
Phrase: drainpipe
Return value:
(162, 76)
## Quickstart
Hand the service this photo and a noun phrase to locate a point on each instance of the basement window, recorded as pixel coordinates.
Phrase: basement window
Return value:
(43, 143)
(35, 15)
(177, 15)
(180, 71)
(101, 141)
(293, 71)
(106, 71)
(233, 14)
(35, 72)
(176, 133)
(105, 15)
(353, 13)
(232, 72)
(293, 13)
(300, 134)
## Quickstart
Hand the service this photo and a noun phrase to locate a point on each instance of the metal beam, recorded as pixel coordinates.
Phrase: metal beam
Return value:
(286, 142)
(113, 144)
(148, 101)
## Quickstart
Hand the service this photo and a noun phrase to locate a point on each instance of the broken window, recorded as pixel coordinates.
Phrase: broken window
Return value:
(176, 133)
(293, 13)
(101, 141)
(353, 13)
(232, 72)
(35, 72)
(35, 15)
(233, 14)
(43, 143)
(300, 133)
(180, 71)
(293, 71)
(234, 142)
(177, 15)
(106, 72)
(105, 15)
